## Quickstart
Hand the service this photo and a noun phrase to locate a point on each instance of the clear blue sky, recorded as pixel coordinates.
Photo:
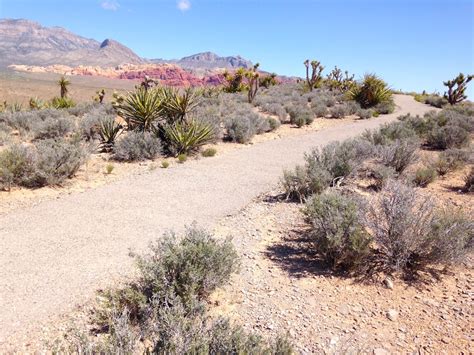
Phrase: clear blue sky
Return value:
(412, 44)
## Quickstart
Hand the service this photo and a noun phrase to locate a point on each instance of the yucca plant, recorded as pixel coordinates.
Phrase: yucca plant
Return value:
(63, 84)
(185, 137)
(141, 109)
(176, 104)
(61, 102)
(371, 91)
(109, 130)
(36, 104)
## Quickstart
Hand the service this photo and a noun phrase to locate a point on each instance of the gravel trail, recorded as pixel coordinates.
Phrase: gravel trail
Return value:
(54, 255)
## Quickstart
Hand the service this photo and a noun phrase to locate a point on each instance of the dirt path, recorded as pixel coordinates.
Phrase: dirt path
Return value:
(54, 255)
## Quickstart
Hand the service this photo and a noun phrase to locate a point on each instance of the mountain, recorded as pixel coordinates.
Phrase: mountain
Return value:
(27, 42)
(208, 60)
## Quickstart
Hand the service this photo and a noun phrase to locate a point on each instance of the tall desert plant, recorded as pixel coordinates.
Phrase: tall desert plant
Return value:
(316, 69)
(63, 84)
(177, 104)
(457, 88)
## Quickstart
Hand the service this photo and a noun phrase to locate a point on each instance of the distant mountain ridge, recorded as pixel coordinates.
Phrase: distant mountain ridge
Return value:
(27, 42)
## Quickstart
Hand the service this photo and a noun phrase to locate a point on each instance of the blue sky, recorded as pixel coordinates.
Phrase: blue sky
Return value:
(412, 44)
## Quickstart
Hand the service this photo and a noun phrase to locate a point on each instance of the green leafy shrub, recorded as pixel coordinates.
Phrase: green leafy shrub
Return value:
(424, 176)
(436, 101)
(165, 164)
(336, 229)
(448, 136)
(385, 107)
(300, 116)
(137, 146)
(241, 129)
(305, 181)
(182, 158)
(186, 137)
(273, 123)
(371, 92)
(209, 152)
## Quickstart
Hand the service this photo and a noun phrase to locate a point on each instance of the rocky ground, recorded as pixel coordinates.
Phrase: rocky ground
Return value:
(281, 289)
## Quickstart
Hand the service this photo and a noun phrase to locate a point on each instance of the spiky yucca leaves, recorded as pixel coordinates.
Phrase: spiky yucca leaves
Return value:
(141, 109)
(371, 91)
(109, 130)
(63, 84)
(61, 102)
(235, 82)
(185, 137)
(177, 104)
(36, 104)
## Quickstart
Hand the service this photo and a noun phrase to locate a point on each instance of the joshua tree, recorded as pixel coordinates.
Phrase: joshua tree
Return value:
(316, 70)
(337, 81)
(253, 82)
(100, 96)
(268, 80)
(63, 84)
(234, 82)
(456, 94)
(148, 82)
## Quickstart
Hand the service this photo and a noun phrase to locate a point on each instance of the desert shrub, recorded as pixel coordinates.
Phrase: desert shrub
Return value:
(410, 234)
(399, 154)
(165, 164)
(325, 166)
(436, 101)
(364, 114)
(56, 161)
(424, 176)
(469, 181)
(352, 107)
(191, 266)
(385, 107)
(320, 110)
(300, 116)
(182, 158)
(54, 128)
(275, 109)
(380, 174)
(137, 146)
(448, 136)
(273, 123)
(330, 101)
(336, 229)
(16, 166)
(305, 181)
(209, 152)
(186, 137)
(339, 111)
(241, 129)
(450, 160)
(371, 92)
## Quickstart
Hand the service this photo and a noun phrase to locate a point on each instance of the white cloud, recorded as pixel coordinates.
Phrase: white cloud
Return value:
(183, 5)
(110, 5)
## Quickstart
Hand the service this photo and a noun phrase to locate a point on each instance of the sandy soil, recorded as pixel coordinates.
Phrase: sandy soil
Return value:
(56, 253)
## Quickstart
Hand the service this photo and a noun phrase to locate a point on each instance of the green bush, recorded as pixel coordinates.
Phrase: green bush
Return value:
(305, 181)
(424, 176)
(339, 111)
(137, 146)
(209, 152)
(320, 110)
(273, 123)
(165, 164)
(16, 166)
(109, 130)
(336, 229)
(141, 109)
(449, 136)
(241, 129)
(364, 114)
(61, 103)
(182, 158)
(186, 137)
(300, 116)
(385, 107)
(53, 128)
(371, 92)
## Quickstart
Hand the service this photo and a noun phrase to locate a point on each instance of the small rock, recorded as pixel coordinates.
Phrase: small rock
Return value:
(388, 283)
(392, 314)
